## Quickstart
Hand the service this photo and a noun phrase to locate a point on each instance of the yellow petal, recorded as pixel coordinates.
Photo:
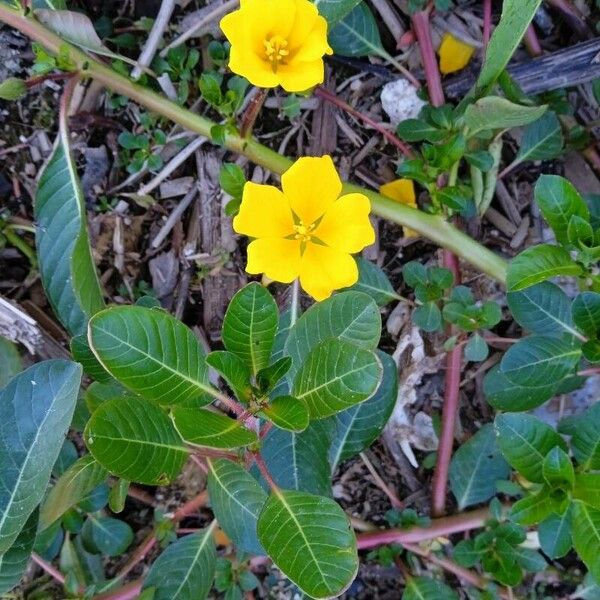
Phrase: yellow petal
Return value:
(264, 212)
(454, 54)
(324, 270)
(300, 77)
(311, 185)
(278, 259)
(346, 225)
(308, 38)
(401, 190)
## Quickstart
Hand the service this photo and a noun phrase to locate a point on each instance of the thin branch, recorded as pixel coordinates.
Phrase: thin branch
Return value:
(388, 135)
(395, 501)
(438, 527)
(264, 471)
(46, 566)
(154, 38)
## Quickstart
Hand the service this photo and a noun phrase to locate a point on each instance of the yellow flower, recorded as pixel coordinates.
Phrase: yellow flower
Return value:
(403, 191)
(454, 54)
(307, 230)
(277, 42)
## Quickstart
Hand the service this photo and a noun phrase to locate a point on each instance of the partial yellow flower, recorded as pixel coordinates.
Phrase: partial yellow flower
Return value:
(306, 231)
(454, 54)
(277, 42)
(403, 191)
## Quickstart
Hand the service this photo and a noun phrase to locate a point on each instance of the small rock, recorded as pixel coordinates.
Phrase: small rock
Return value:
(400, 101)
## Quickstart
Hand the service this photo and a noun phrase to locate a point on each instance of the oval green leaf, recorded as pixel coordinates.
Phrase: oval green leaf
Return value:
(36, 408)
(236, 499)
(250, 326)
(207, 428)
(135, 439)
(335, 376)
(151, 353)
(310, 539)
(287, 412)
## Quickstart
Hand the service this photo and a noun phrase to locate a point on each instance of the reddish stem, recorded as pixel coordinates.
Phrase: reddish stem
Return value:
(33, 81)
(265, 429)
(532, 43)
(264, 471)
(140, 553)
(190, 507)
(420, 23)
(487, 22)
(438, 527)
(46, 566)
(325, 94)
(573, 16)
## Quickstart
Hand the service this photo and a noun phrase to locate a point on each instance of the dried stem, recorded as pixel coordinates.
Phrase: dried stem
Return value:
(381, 484)
(325, 94)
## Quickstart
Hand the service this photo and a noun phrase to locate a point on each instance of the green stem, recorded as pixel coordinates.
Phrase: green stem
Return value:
(430, 226)
(14, 240)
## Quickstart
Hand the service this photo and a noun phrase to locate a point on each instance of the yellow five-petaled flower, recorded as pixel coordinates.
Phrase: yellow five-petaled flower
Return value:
(307, 230)
(277, 42)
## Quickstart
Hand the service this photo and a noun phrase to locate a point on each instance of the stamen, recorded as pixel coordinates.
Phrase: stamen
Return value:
(275, 49)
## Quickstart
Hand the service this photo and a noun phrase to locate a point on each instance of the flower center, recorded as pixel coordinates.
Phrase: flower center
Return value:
(303, 232)
(275, 49)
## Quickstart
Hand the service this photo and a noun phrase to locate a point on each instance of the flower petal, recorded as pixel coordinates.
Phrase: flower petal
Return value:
(401, 190)
(325, 269)
(314, 44)
(301, 76)
(264, 212)
(454, 54)
(346, 225)
(278, 259)
(311, 186)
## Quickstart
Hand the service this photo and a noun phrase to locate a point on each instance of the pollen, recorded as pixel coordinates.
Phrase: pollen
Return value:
(303, 232)
(275, 50)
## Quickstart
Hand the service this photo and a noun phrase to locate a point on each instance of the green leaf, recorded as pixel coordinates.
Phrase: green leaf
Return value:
(73, 486)
(350, 316)
(374, 282)
(587, 489)
(356, 34)
(476, 348)
(356, 428)
(334, 10)
(586, 313)
(236, 499)
(335, 376)
(12, 89)
(482, 160)
(428, 317)
(98, 393)
(559, 201)
(118, 495)
(10, 359)
(82, 353)
(417, 130)
(151, 353)
(554, 534)
(135, 439)
(14, 561)
(591, 351)
(525, 441)
(310, 539)
(534, 508)
(250, 325)
(475, 468)
(232, 179)
(558, 469)
(105, 535)
(300, 460)
(585, 432)
(36, 408)
(270, 376)
(466, 554)
(186, 569)
(542, 308)
(516, 17)
(495, 112)
(586, 536)
(65, 259)
(234, 371)
(287, 412)
(503, 394)
(537, 264)
(542, 139)
(426, 588)
(536, 360)
(201, 427)
(579, 232)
